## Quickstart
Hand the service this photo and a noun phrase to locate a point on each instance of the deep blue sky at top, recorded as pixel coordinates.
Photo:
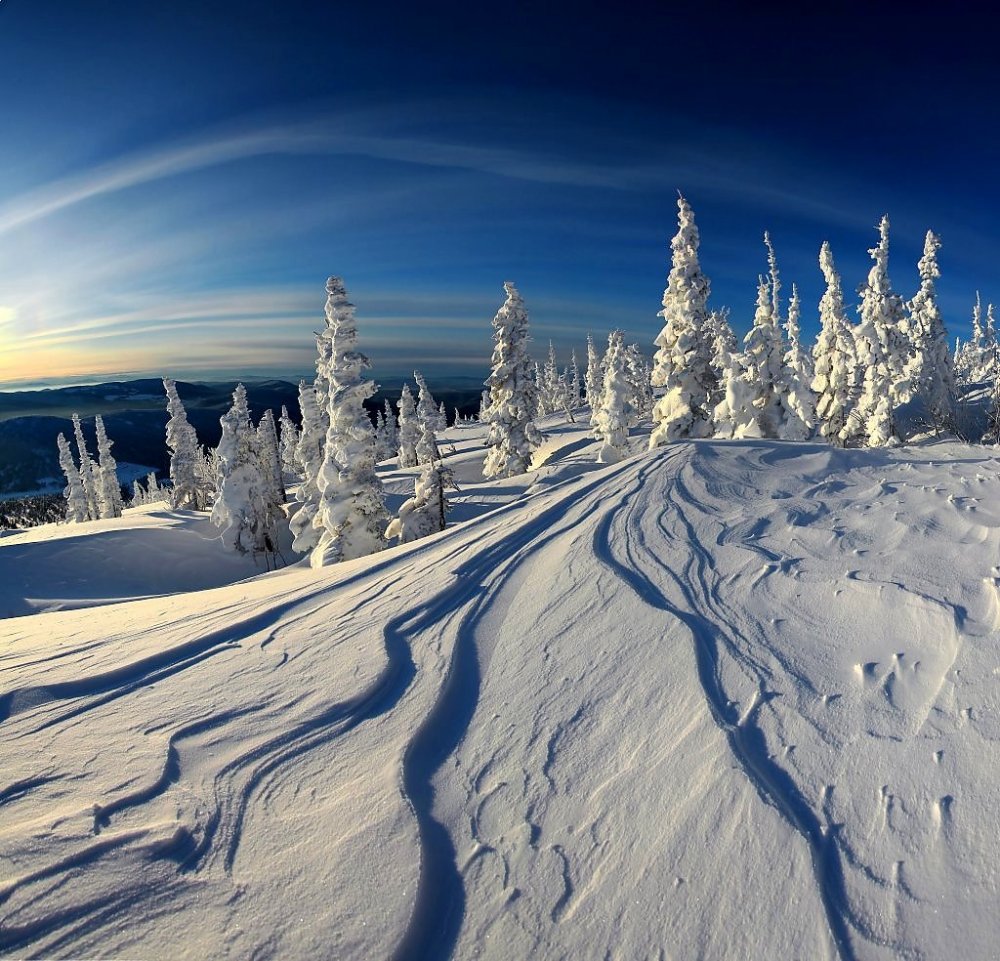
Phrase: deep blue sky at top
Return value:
(178, 179)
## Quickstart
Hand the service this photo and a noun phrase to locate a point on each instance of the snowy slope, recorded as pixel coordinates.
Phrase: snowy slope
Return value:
(723, 700)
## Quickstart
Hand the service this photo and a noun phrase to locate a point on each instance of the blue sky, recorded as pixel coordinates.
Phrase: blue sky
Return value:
(178, 180)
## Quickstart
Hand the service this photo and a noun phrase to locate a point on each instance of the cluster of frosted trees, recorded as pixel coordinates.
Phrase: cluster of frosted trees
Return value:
(848, 389)
(92, 489)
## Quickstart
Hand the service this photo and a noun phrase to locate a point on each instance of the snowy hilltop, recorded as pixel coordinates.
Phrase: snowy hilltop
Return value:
(688, 655)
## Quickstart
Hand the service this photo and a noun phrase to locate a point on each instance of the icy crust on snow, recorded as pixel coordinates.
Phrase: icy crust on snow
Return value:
(724, 699)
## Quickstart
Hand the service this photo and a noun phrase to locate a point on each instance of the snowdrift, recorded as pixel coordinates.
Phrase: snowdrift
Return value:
(722, 700)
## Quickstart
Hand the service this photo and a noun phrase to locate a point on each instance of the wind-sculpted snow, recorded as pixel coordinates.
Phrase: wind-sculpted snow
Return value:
(725, 699)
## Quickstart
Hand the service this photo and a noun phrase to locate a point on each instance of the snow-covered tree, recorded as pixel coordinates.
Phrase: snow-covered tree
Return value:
(154, 493)
(637, 374)
(574, 381)
(391, 428)
(408, 432)
(484, 406)
(683, 363)
(735, 415)
(833, 356)
(309, 455)
(777, 414)
(109, 492)
(88, 470)
(798, 369)
(269, 457)
(929, 371)
(724, 345)
(512, 434)
(187, 489)
(352, 517)
(288, 441)
(428, 411)
(594, 377)
(882, 350)
(241, 482)
(138, 494)
(616, 412)
(442, 416)
(425, 512)
(76, 499)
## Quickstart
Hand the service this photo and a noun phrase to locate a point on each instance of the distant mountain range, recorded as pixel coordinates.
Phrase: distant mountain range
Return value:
(135, 415)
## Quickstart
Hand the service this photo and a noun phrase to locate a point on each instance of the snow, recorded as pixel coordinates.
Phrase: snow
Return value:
(722, 699)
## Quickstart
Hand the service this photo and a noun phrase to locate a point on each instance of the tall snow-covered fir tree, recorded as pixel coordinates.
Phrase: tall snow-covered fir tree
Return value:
(269, 455)
(88, 470)
(109, 492)
(309, 455)
(683, 362)
(833, 356)
(288, 442)
(408, 432)
(929, 371)
(594, 376)
(574, 381)
(351, 517)
(616, 412)
(238, 510)
(512, 434)
(391, 428)
(428, 411)
(426, 511)
(188, 490)
(76, 500)
(881, 354)
(763, 358)
(637, 373)
(724, 345)
(798, 367)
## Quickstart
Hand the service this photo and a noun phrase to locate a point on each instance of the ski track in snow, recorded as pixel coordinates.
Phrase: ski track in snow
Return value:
(713, 538)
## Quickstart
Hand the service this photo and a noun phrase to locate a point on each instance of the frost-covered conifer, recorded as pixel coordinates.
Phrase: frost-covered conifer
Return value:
(574, 381)
(269, 457)
(351, 517)
(240, 480)
(881, 356)
(88, 471)
(929, 371)
(309, 455)
(442, 416)
(185, 455)
(724, 345)
(391, 428)
(109, 492)
(616, 412)
(833, 356)
(637, 373)
(138, 495)
(798, 368)
(409, 429)
(735, 416)
(76, 500)
(154, 493)
(484, 406)
(683, 362)
(594, 377)
(428, 411)
(512, 434)
(288, 441)
(425, 512)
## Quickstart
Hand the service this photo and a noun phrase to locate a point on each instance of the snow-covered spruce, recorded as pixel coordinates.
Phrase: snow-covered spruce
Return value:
(426, 511)
(773, 408)
(269, 455)
(616, 412)
(408, 431)
(309, 456)
(512, 435)
(428, 411)
(724, 345)
(834, 358)
(109, 492)
(683, 362)
(288, 442)
(638, 373)
(76, 499)
(88, 470)
(351, 516)
(241, 481)
(879, 345)
(929, 371)
(798, 369)
(594, 376)
(187, 488)
(735, 415)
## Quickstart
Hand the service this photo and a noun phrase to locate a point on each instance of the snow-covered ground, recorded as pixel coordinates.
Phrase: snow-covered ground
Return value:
(721, 700)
